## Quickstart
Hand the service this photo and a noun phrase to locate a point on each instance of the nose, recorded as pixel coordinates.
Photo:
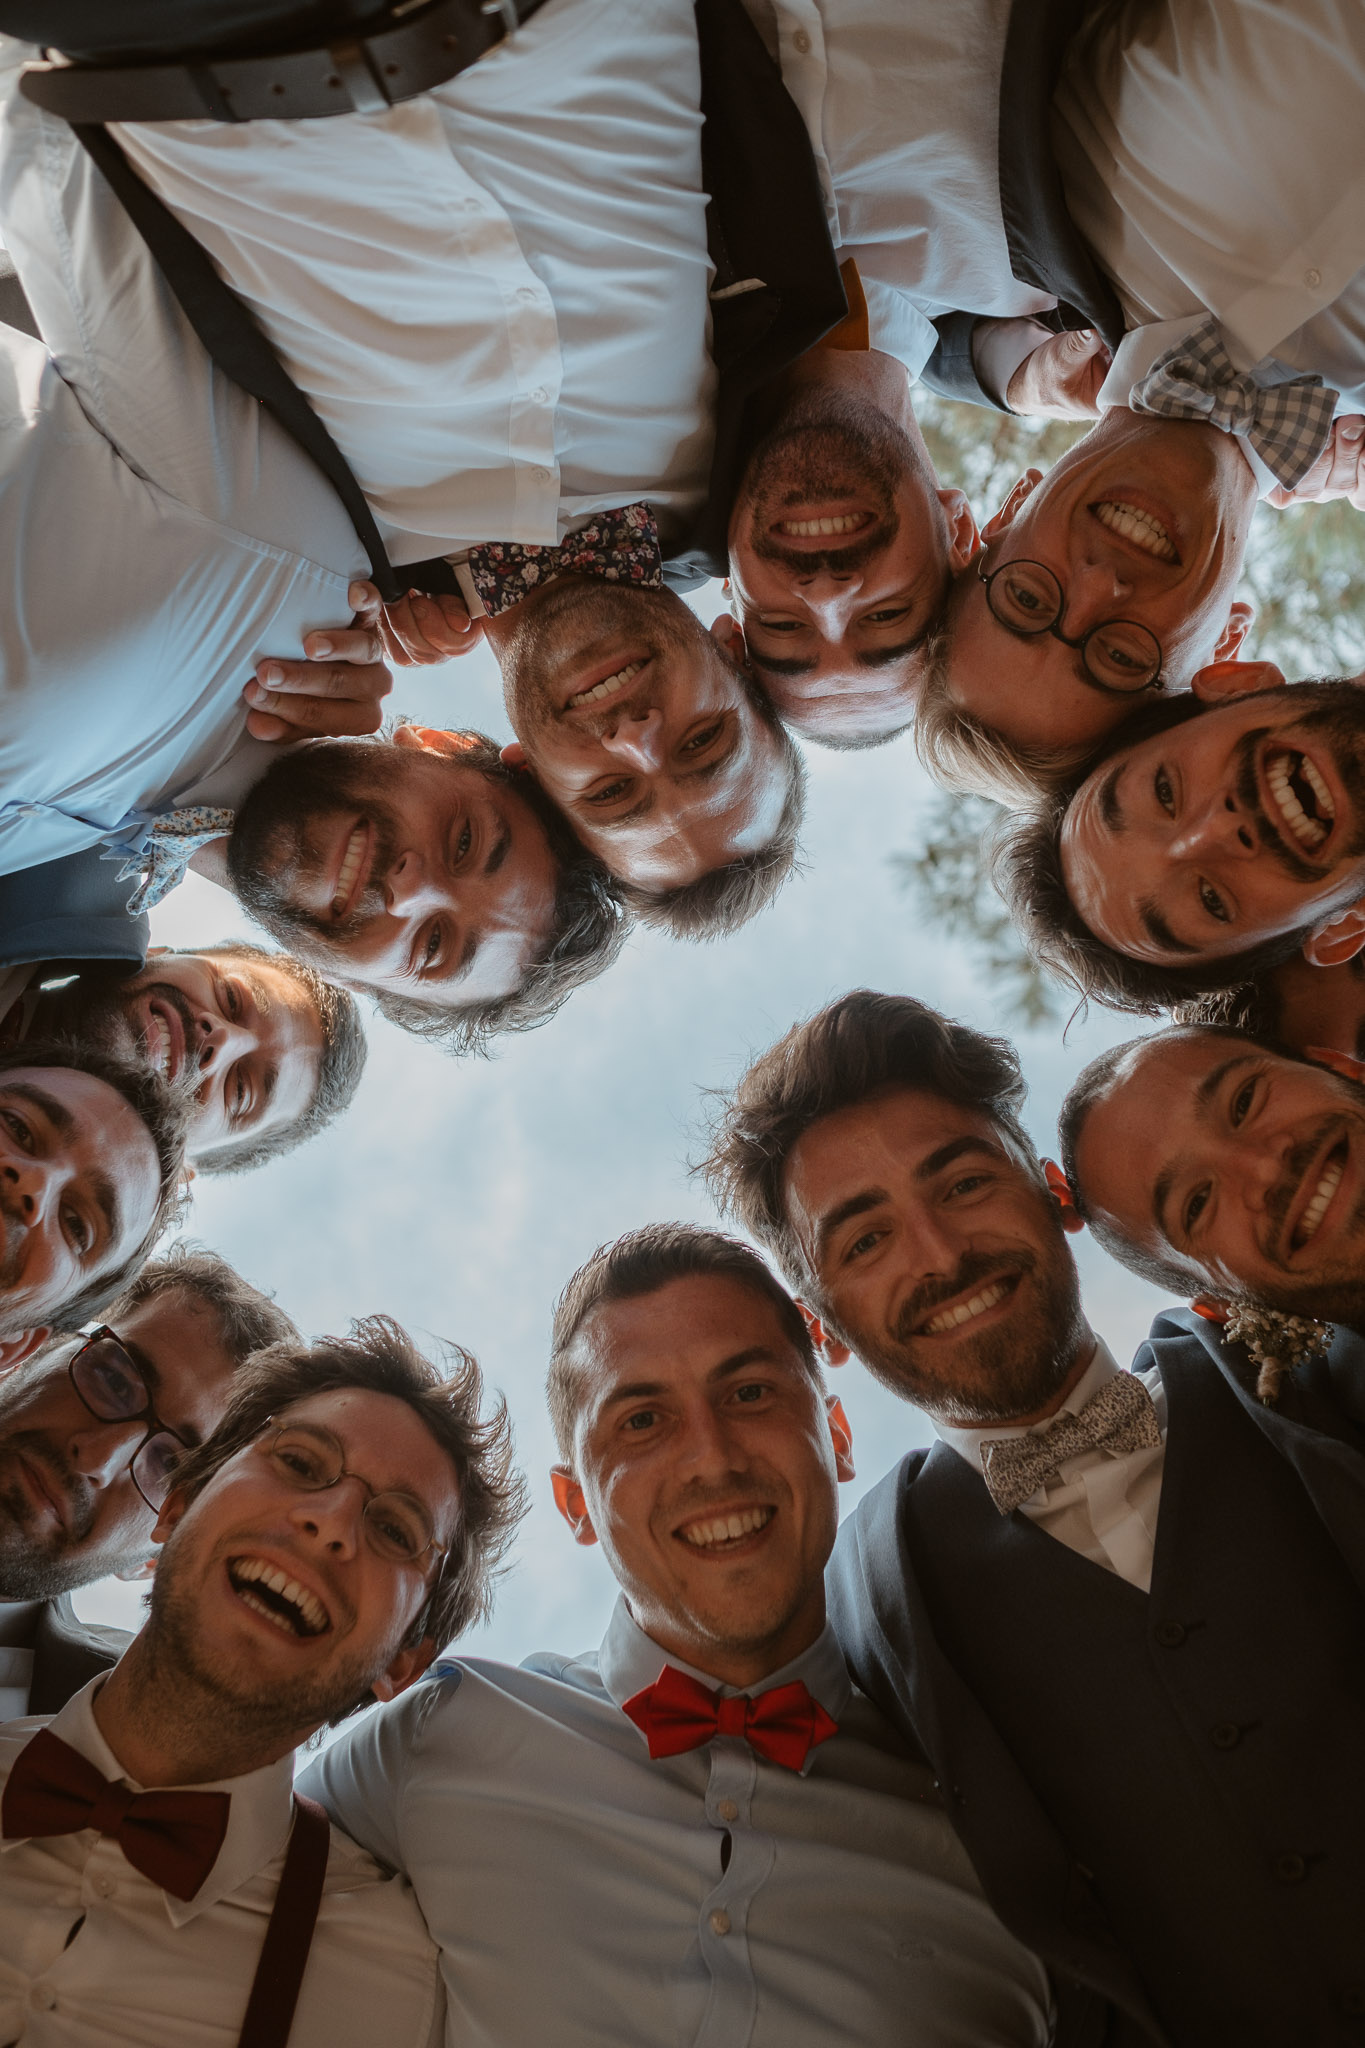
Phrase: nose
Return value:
(31, 1184)
(1221, 828)
(1097, 583)
(332, 1517)
(102, 1451)
(708, 1449)
(409, 888)
(638, 741)
(222, 1040)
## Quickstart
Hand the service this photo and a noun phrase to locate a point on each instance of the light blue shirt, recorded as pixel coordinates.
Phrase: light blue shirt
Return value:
(583, 1896)
(161, 533)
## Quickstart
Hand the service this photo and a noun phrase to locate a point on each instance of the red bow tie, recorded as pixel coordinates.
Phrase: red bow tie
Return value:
(171, 1837)
(676, 1713)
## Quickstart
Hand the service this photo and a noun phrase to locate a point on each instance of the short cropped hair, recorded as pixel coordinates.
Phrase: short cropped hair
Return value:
(726, 898)
(641, 1263)
(378, 1355)
(163, 1109)
(340, 1063)
(247, 1319)
(860, 1046)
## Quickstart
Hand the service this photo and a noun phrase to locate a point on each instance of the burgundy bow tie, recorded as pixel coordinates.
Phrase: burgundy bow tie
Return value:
(171, 1837)
(676, 1714)
(621, 546)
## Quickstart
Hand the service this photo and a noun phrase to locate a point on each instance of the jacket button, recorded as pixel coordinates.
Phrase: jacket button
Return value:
(1225, 1735)
(1290, 1869)
(1170, 1634)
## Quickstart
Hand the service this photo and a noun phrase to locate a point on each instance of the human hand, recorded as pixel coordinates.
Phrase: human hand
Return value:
(1339, 471)
(335, 693)
(1061, 379)
(418, 630)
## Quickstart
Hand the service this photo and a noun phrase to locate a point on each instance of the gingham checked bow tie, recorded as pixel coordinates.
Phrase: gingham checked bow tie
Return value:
(677, 1713)
(1120, 1417)
(1287, 425)
(173, 1838)
(620, 546)
(160, 849)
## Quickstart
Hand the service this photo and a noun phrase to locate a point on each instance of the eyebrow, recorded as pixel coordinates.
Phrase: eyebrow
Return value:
(156, 1386)
(953, 1150)
(1111, 810)
(98, 1181)
(883, 657)
(644, 1390)
(707, 772)
(1157, 929)
(498, 852)
(782, 665)
(57, 1113)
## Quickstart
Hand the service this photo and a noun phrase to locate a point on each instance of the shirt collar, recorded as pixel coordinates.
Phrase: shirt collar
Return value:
(259, 1817)
(629, 1660)
(967, 1442)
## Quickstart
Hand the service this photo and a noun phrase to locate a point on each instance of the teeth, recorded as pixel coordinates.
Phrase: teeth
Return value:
(250, 1571)
(803, 529)
(350, 868)
(966, 1310)
(608, 685)
(1317, 1208)
(1138, 527)
(1318, 787)
(727, 1528)
(158, 1044)
(1308, 831)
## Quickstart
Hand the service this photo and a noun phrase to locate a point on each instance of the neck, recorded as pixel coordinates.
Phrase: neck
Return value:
(1082, 1360)
(167, 1728)
(210, 861)
(745, 1665)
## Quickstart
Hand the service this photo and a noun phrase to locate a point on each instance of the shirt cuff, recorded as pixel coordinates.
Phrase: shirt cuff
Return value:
(998, 348)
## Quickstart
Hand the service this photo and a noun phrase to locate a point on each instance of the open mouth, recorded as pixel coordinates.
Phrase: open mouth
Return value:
(953, 1315)
(272, 1593)
(719, 1533)
(609, 686)
(823, 528)
(163, 1039)
(42, 1491)
(350, 874)
(1138, 528)
(1329, 1179)
(1299, 794)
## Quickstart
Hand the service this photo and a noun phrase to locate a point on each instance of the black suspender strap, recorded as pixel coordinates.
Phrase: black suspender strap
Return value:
(235, 342)
(288, 1938)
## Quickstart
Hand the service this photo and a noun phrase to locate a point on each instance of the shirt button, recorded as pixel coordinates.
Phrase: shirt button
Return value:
(43, 1997)
(526, 292)
(720, 1921)
(801, 43)
(542, 476)
(104, 1886)
(728, 1810)
(1225, 1735)
(1170, 1634)
(1290, 1869)
(1312, 278)
(540, 396)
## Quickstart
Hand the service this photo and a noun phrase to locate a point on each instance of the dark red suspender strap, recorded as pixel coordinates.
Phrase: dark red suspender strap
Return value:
(288, 1938)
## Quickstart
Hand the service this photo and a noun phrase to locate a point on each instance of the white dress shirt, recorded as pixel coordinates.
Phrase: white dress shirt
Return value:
(495, 294)
(586, 1897)
(92, 1952)
(160, 533)
(1213, 158)
(1101, 1503)
(902, 104)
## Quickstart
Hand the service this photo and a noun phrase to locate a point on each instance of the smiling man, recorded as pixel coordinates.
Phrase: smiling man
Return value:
(1016, 1598)
(1210, 841)
(428, 873)
(341, 1520)
(700, 1832)
(1216, 1165)
(279, 1052)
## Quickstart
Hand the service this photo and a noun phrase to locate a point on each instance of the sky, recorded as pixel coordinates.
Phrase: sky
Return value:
(459, 1196)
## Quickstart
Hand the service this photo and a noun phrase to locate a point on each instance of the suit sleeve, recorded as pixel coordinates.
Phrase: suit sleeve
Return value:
(951, 370)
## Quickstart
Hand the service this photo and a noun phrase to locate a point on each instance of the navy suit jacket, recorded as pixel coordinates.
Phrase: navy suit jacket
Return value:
(68, 913)
(68, 1653)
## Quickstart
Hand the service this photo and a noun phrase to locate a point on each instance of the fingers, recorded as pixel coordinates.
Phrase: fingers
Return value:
(1061, 379)
(420, 630)
(340, 698)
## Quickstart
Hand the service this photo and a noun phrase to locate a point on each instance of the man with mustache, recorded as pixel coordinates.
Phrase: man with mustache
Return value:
(1144, 1735)
(700, 1832)
(90, 1428)
(158, 1879)
(278, 1051)
(1212, 839)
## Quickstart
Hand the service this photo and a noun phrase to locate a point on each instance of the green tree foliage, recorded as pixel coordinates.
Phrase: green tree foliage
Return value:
(1305, 573)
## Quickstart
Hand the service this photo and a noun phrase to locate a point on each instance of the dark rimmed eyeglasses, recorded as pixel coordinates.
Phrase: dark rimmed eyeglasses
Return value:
(112, 1385)
(308, 1457)
(1120, 656)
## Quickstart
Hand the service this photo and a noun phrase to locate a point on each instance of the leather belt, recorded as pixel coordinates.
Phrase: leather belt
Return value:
(354, 75)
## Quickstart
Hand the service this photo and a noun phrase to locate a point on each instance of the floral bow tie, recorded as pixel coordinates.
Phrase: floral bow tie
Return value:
(1121, 1417)
(620, 547)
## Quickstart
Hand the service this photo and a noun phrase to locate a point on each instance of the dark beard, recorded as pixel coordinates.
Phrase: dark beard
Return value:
(550, 630)
(31, 1569)
(827, 446)
(1013, 1369)
(270, 848)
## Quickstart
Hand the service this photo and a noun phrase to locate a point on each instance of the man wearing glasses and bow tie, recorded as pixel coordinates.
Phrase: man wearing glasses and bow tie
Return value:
(90, 1429)
(699, 1833)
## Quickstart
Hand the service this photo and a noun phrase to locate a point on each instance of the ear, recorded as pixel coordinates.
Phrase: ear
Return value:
(727, 635)
(1013, 505)
(842, 1437)
(405, 1669)
(1337, 938)
(831, 1351)
(1220, 681)
(571, 1504)
(1241, 619)
(1059, 1187)
(964, 541)
(430, 739)
(156, 952)
(513, 755)
(14, 1350)
(135, 1572)
(1210, 1308)
(1340, 1062)
(172, 1508)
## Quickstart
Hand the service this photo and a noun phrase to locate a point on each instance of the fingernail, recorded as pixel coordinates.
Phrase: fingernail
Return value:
(1087, 334)
(1355, 433)
(256, 695)
(272, 673)
(357, 595)
(321, 644)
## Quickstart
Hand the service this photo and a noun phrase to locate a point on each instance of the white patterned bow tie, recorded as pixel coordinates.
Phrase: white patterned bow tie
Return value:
(1120, 1417)
(160, 849)
(1288, 424)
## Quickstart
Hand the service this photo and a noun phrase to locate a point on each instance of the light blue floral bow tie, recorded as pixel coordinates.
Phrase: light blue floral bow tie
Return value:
(159, 849)
(1287, 424)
